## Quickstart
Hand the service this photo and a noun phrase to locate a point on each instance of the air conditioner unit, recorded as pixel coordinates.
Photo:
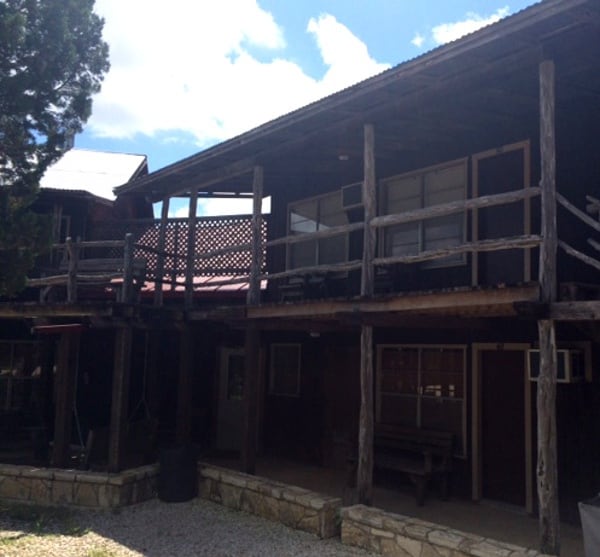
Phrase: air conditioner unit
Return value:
(570, 365)
(352, 196)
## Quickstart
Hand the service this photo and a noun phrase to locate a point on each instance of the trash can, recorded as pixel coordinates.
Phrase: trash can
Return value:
(590, 521)
(177, 474)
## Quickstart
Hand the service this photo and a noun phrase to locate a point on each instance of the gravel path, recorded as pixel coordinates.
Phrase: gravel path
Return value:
(154, 529)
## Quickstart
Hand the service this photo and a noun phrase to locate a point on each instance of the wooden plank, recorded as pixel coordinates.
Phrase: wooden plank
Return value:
(315, 270)
(546, 393)
(456, 207)
(72, 272)
(364, 476)
(120, 398)
(66, 368)
(160, 261)
(127, 291)
(251, 398)
(94, 244)
(318, 235)
(367, 286)
(497, 244)
(183, 424)
(578, 213)
(253, 294)
(579, 255)
(191, 242)
(575, 311)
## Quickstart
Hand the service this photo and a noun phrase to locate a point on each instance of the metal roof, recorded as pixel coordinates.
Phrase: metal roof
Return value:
(95, 172)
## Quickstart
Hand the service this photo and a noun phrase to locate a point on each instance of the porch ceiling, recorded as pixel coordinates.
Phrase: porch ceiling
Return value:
(487, 80)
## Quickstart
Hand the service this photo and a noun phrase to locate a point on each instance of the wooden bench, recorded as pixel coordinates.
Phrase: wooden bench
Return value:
(421, 454)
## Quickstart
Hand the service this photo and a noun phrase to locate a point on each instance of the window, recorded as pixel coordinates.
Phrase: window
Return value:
(417, 190)
(423, 386)
(285, 370)
(313, 215)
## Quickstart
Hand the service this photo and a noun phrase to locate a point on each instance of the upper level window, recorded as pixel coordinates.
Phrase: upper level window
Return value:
(418, 190)
(313, 215)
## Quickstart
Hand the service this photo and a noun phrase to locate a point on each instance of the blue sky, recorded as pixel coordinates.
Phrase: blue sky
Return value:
(186, 74)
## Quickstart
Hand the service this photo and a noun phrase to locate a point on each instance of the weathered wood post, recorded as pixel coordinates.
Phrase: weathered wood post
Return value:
(160, 260)
(66, 373)
(547, 476)
(120, 398)
(190, 260)
(183, 424)
(73, 255)
(364, 478)
(252, 340)
(127, 292)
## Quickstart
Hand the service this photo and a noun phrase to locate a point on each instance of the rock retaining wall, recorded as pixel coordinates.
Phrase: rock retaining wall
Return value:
(290, 505)
(401, 536)
(51, 486)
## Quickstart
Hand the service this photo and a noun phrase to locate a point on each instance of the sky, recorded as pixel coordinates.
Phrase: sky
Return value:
(186, 74)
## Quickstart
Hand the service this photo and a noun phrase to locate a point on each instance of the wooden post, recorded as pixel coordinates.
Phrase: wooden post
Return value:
(249, 427)
(190, 260)
(66, 367)
(120, 398)
(547, 475)
(160, 260)
(184, 387)
(153, 345)
(253, 296)
(127, 292)
(73, 254)
(364, 479)
(369, 196)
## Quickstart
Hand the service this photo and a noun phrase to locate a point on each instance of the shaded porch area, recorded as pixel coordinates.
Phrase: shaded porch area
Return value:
(488, 519)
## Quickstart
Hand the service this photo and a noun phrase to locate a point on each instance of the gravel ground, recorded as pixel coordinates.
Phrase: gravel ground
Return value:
(154, 529)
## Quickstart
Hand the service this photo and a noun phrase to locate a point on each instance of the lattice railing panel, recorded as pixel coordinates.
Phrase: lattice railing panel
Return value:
(212, 233)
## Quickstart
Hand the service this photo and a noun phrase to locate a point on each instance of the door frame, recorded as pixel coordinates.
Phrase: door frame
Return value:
(476, 425)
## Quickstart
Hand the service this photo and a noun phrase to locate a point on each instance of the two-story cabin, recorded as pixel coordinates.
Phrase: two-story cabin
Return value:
(429, 261)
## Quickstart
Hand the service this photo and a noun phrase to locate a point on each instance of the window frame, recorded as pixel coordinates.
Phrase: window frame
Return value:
(317, 251)
(421, 173)
(273, 371)
(418, 396)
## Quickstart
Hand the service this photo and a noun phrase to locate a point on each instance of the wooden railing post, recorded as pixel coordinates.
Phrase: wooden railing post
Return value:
(364, 478)
(73, 255)
(127, 292)
(547, 475)
(253, 296)
(190, 259)
(160, 259)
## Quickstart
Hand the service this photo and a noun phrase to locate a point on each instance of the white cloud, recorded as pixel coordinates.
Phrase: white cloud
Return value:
(418, 40)
(188, 66)
(215, 206)
(447, 32)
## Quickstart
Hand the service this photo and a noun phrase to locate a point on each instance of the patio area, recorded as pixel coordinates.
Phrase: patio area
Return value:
(486, 518)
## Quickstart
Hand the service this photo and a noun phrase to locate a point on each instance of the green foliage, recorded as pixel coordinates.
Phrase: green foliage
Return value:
(52, 60)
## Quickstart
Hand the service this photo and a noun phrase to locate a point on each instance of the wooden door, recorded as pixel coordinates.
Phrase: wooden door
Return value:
(230, 411)
(503, 426)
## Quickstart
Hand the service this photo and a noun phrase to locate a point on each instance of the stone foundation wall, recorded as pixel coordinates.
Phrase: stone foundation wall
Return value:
(49, 486)
(396, 535)
(293, 506)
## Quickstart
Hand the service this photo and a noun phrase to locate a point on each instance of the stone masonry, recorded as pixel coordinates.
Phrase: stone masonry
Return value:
(293, 506)
(396, 535)
(50, 486)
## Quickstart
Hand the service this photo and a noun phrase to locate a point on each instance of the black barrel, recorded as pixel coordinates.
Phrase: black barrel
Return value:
(177, 474)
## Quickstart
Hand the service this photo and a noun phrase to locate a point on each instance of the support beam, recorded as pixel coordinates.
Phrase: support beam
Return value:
(253, 297)
(249, 427)
(183, 423)
(160, 261)
(547, 475)
(120, 398)
(66, 374)
(369, 196)
(190, 259)
(364, 477)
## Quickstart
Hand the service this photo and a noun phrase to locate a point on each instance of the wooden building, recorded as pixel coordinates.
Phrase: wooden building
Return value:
(429, 261)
